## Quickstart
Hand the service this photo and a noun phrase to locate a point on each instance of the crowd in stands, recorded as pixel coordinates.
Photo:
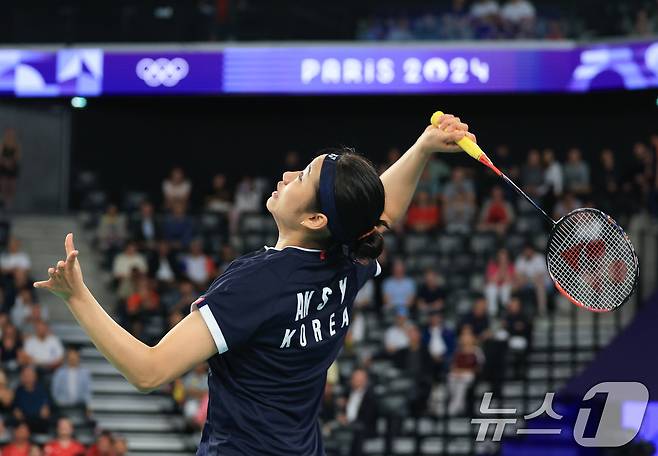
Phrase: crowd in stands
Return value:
(492, 20)
(42, 384)
(463, 283)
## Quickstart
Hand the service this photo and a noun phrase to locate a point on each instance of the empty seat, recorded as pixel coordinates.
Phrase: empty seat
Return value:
(404, 445)
(484, 244)
(449, 244)
(373, 446)
(431, 445)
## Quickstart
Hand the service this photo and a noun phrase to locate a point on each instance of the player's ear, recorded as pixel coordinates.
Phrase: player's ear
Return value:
(315, 221)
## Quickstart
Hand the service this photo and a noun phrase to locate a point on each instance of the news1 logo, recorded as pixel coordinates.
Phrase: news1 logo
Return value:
(608, 432)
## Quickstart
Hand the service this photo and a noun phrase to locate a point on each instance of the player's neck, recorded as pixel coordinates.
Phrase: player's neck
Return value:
(294, 240)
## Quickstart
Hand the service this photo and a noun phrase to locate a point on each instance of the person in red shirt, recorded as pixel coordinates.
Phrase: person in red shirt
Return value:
(497, 214)
(64, 444)
(423, 215)
(20, 446)
(104, 445)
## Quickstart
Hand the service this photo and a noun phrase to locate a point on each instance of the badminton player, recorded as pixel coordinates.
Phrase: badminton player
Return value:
(275, 320)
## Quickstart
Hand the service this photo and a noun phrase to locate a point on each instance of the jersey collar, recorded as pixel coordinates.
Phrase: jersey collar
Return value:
(293, 247)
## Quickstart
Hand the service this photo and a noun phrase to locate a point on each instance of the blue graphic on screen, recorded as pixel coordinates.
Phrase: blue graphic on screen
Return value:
(51, 74)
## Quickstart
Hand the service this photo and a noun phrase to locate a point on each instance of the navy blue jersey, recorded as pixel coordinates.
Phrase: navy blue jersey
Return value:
(278, 318)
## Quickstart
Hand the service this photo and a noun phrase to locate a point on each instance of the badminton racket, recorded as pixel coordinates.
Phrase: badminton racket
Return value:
(590, 258)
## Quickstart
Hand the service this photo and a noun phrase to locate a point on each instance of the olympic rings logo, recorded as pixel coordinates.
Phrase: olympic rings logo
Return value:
(162, 71)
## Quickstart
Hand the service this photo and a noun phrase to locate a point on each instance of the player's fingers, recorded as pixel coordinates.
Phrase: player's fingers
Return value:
(60, 265)
(42, 284)
(472, 137)
(68, 243)
(443, 119)
(456, 135)
(70, 259)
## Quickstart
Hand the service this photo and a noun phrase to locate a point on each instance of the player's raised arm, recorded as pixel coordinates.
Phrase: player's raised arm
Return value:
(401, 179)
(184, 346)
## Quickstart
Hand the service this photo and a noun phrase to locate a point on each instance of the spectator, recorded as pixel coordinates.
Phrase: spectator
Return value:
(163, 266)
(6, 395)
(178, 228)
(532, 176)
(104, 445)
(518, 332)
(144, 227)
(128, 261)
(566, 204)
(11, 349)
(196, 387)
(423, 214)
(485, 17)
(466, 364)
(14, 258)
(121, 445)
(477, 320)
(26, 312)
(576, 173)
(10, 157)
(20, 445)
(426, 28)
(182, 298)
(400, 30)
(431, 296)
(31, 403)
(5, 436)
(553, 177)
(518, 17)
(459, 184)
(455, 23)
(64, 444)
(248, 197)
(607, 182)
(496, 214)
(219, 200)
(198, 266)
(416, 363)
(500, 280)
(176, 189)
(459, 213)
(144, 313)
(532, 275)
(396, 339)
(360, 409)
(44, 349)
(365, 296)
(399, 290)
(439, 342)
(71, 385)
(112, 231)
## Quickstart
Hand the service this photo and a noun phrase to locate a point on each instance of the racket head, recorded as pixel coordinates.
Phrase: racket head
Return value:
(591, 260)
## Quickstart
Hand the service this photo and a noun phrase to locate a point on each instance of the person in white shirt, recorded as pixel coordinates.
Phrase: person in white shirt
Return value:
(484, 9)
(532, 274)
(176, 189)
(198, 266)
(397, 336)
(126, 261)
(553, 175)
(14, 258)
(44, 349)
(518, 12)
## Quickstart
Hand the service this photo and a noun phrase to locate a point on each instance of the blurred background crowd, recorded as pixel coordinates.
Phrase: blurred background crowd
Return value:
(210, 20)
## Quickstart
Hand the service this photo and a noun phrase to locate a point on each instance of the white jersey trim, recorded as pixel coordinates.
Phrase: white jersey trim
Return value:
(293, 247)
(379, 268)
(212, 325)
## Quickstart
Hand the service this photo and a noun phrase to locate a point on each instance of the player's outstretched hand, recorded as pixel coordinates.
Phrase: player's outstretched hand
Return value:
(444, 137)
(65, 278)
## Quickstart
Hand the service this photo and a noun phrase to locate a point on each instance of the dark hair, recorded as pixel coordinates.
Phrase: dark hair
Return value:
(360, 196)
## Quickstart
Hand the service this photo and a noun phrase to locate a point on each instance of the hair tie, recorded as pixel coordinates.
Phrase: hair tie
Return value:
(365, 235)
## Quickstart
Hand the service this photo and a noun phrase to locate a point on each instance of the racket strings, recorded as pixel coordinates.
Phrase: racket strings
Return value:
(592, 260)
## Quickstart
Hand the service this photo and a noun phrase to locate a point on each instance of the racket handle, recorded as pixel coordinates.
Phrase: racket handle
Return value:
(469, 146)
